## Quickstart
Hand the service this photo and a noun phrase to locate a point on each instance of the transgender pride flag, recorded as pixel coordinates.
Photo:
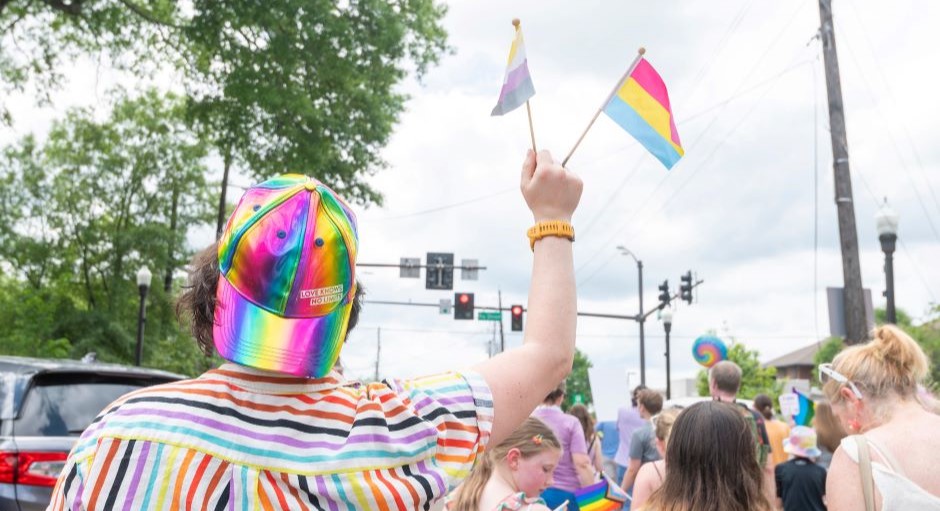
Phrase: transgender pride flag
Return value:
(517, 84)
(641, 106)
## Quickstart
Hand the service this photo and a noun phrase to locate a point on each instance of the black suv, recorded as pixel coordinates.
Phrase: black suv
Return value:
(44, 406)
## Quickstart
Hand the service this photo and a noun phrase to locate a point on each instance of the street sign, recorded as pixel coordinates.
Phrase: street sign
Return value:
(445, 306)
(440, 271)
(469, 274)
(410, 268)
(489, 316)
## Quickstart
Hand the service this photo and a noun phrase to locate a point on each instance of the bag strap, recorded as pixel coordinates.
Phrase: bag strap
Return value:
(864, 471)
(888, 457)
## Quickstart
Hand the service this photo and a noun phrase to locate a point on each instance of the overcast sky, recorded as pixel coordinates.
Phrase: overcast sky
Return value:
(749, 208)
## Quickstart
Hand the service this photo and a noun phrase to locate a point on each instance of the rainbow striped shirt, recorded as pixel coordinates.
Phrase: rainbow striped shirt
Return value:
(238, 439)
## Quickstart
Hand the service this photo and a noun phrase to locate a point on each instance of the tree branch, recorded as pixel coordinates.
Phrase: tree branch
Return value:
(73, 8)
(148, 16)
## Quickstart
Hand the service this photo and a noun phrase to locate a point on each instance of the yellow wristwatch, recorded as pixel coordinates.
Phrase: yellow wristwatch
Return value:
(551, 228)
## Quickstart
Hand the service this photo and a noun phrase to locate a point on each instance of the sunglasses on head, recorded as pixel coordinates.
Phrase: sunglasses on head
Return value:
(826, 373)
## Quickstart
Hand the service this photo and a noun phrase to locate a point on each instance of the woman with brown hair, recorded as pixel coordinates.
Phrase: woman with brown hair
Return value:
(887, 462)
(828, 433)
(710, 455)
(591, 440)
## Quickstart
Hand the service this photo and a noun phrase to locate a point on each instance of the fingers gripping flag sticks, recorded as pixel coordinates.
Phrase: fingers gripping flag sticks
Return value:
(639, 103)
(517, 83)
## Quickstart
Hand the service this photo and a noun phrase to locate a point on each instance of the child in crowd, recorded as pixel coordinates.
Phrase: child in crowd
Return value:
(801, 483)
(512, 475)
(651, 475)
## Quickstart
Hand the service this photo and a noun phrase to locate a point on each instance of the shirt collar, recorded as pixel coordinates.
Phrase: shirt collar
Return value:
(269, 382)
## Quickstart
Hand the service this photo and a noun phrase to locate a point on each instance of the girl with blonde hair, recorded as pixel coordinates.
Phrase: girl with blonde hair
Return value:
(651, 474)
(511, 475)
(873, 390)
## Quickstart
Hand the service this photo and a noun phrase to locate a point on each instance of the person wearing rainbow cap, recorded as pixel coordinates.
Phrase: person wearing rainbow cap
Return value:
(277, 426)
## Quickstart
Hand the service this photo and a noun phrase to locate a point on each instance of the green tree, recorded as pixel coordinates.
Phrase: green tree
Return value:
(83, 211)
(927, 334)
(578, 382)
(755, 379)
(828, 351)
(280, 85)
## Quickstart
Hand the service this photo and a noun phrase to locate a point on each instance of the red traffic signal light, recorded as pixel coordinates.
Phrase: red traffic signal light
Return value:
(463, 305)
(516, 311)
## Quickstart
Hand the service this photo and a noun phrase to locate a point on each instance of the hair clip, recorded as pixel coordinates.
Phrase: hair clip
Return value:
(537, 440)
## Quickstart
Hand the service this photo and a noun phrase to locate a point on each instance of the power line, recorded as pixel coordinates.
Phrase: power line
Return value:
(738, 90)
(887, 86)
(446, 206)
(894, 143)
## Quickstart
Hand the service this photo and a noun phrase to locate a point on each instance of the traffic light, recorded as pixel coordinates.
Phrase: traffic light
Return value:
(463, 305)
(516, 311)
(685, 289)
(664, 298)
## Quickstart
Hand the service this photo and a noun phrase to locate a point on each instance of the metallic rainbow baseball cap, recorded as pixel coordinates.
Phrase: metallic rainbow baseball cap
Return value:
(287, 259)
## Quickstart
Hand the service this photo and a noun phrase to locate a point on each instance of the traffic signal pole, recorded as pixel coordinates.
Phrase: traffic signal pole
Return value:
(502, 337)
(641, 319)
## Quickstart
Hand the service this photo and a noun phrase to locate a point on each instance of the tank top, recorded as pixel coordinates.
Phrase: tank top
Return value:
(898, 493)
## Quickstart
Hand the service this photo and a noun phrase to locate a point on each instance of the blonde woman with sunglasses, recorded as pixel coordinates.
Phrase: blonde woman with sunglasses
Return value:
(873, 390)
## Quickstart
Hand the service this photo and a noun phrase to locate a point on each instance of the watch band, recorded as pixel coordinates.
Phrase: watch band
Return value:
(558, 228)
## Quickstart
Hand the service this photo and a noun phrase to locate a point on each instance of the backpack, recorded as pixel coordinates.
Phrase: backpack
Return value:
(761, 446)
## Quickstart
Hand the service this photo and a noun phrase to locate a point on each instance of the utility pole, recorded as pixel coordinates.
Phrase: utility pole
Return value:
(378, 350)
(855, 323)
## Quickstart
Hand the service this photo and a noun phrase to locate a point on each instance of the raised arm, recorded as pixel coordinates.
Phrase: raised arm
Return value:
(521, 378)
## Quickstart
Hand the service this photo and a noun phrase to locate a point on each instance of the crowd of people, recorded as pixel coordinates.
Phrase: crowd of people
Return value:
(279, 427)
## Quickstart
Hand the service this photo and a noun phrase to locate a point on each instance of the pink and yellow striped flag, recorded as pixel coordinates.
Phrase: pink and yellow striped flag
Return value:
(641, 106)
(517, 83)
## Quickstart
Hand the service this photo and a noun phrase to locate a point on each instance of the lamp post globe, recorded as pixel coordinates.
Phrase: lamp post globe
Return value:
(143, 285)
(886, 223)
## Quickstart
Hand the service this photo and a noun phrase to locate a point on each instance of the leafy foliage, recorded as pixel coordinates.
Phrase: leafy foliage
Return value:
(82, 212)
(578, 382)
(281, 85)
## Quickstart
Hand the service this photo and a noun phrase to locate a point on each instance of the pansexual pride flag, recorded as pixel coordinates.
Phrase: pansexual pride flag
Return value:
(517, 84)
(641, 106)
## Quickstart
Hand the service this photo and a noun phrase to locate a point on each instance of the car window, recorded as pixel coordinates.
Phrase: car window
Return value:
(66, 408)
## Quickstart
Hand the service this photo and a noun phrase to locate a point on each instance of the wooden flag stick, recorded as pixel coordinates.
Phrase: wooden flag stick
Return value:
(531, 129)
(613, 91)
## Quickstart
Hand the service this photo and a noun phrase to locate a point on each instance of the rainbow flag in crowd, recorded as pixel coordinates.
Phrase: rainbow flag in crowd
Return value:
(807, 410)
(641, 106)
(601, 496)
(517, 84)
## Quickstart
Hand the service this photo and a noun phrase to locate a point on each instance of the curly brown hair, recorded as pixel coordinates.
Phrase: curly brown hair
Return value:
(196, 304)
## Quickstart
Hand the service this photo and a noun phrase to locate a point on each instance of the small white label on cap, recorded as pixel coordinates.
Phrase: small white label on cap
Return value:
(323, 295)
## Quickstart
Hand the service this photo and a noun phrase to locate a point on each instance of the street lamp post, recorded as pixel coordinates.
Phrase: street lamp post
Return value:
(143, 284)
(640, 317)
(886, 221)
(666, 316)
